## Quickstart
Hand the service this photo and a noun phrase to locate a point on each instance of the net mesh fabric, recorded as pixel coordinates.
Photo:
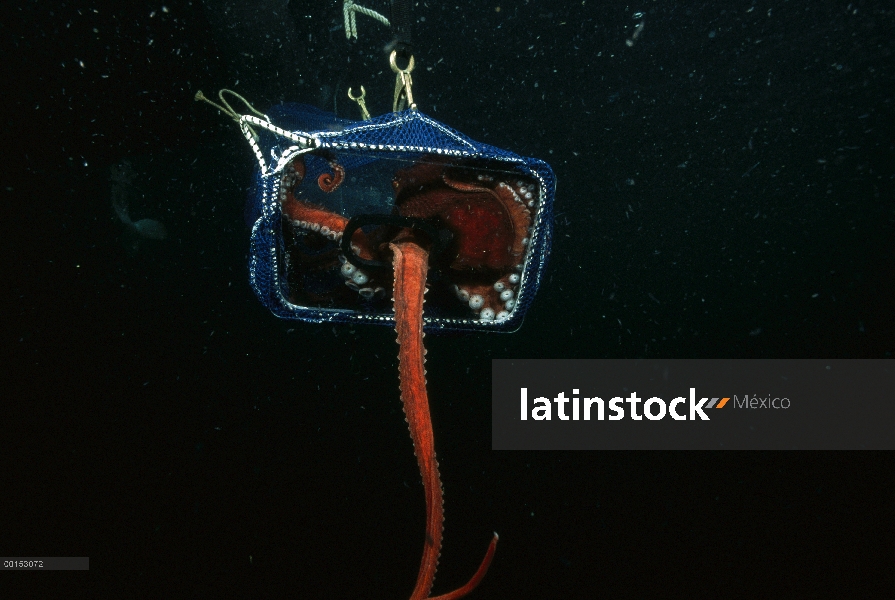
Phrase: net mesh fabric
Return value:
(405, 137)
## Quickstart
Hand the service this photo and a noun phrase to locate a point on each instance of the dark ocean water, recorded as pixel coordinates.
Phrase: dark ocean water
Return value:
(726, 189)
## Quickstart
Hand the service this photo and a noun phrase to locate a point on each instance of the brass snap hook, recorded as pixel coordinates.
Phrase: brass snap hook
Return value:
(403, 83)
(392, 61)
(365, 114)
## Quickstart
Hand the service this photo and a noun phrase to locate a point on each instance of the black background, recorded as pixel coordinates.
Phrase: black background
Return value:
(725, 191)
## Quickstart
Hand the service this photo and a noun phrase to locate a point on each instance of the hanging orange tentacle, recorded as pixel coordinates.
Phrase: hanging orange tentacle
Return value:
(477, 578)
(411, 268)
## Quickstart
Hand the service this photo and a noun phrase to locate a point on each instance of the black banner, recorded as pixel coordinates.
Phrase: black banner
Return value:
(693, 404)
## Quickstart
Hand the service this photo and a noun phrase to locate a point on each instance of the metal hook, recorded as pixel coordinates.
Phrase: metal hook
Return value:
(403, 83)
(392, 61)
(360, 102)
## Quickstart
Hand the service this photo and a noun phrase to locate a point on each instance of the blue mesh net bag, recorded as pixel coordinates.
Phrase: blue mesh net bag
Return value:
(330, 193)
